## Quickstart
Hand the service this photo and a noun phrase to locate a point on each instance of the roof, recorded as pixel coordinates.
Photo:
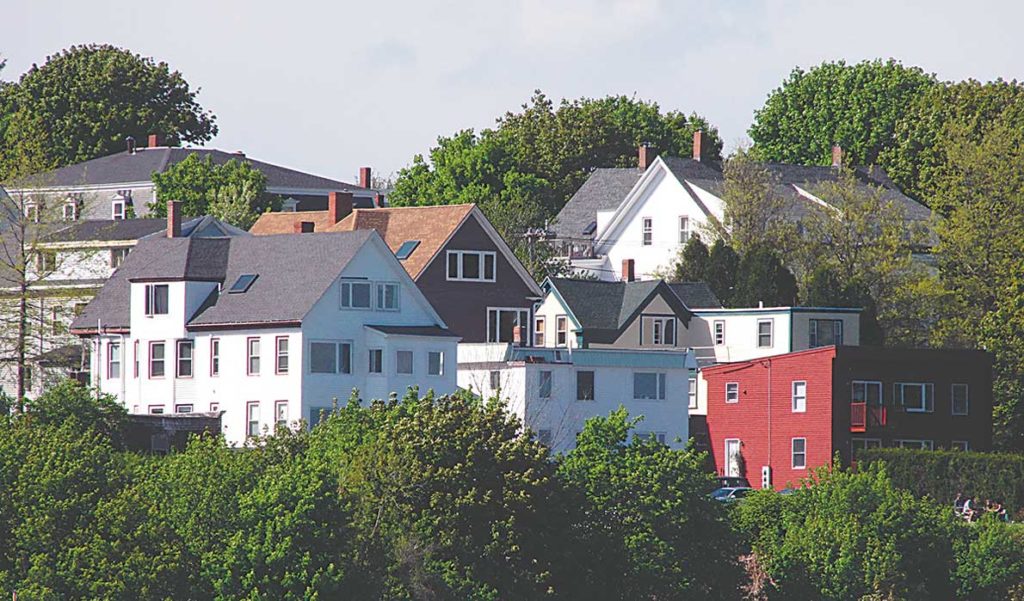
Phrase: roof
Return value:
(603, 309)
(115, 230)
(435, 331)
(284, 222)
(604, 190)
(122, 167)
(297, 269)
(696, 295)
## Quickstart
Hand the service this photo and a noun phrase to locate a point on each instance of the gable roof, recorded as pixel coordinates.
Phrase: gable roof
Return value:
(696, 295)
(116, 230)
(603, 309)
(122, 167)
(284, 222)
(293, 274)
(604, 190)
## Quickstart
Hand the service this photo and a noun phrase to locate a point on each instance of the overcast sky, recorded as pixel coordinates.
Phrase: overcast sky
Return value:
(330, 86)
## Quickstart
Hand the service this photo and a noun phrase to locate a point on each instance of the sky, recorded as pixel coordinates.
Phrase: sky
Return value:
(328, 87)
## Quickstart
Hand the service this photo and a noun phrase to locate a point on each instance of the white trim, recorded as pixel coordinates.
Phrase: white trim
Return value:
(771, 332)
(482, 254)
(727, 385)
(803, 407)
(793, 453)
(528, 334)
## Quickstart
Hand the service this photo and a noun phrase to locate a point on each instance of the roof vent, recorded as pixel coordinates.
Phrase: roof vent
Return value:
(406, 249)
(243, 283)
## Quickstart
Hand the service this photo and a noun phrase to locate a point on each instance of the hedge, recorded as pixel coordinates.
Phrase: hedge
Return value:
(942, 474)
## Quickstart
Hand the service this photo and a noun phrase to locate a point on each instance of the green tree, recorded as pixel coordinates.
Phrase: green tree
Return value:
(91, 97)
(723, 264)
(755, 212)
(762, 278)
(692, 263)
(825, 288)
(944, 116)
(990, 561)
(234, 191)
(855, 106)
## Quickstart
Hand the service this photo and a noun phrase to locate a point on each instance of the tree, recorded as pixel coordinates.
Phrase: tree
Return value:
(692, 262)
(234, 191)
(762, 278)
(723, 263)
(92, 97)
(943, 116)
(825, 288)
(855, 106)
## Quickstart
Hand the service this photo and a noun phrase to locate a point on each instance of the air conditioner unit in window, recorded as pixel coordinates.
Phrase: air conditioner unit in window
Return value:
(766, 476)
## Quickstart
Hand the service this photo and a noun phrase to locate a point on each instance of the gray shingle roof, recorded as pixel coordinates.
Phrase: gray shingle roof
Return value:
(604, 190)
(293, 273)
(604, 309)
(116, 230)
(415, 331)
(122, 167)
(696, 295)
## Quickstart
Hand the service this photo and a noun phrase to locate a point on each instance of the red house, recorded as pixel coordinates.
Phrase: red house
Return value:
(775, 419)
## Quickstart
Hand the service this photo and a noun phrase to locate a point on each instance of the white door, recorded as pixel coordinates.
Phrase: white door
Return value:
(732, 458)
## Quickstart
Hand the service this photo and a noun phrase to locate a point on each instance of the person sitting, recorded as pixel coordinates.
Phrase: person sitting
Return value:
(969, 511)
(958, 504)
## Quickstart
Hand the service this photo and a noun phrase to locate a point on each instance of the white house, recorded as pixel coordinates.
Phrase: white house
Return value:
(267, 330)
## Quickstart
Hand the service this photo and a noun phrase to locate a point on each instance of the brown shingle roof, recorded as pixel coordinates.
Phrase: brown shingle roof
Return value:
(431, 225)
(284, 222)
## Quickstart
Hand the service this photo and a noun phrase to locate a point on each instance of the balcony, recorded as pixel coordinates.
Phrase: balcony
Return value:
(864, 416)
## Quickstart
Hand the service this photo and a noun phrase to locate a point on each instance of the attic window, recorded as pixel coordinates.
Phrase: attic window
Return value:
(406, 249)
(242, 284)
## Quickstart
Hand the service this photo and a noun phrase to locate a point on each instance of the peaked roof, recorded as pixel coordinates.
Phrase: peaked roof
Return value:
(696, 295)
(122, 167)
(284, 222)
(604, 190)
(293, 273)
(603, 309)
(115, 230)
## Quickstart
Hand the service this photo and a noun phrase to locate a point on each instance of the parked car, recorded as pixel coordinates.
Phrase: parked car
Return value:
(730, 494)
(733, 482)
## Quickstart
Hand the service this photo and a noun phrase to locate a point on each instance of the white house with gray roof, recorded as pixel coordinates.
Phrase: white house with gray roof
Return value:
(266, 330)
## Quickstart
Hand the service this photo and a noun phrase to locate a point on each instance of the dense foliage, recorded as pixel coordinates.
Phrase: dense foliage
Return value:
(83, 102)
(234, 191)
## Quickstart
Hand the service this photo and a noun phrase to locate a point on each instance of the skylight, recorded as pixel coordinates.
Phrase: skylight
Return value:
(406, 249)
(242, 284)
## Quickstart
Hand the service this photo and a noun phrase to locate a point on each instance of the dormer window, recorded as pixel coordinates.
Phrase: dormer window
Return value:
(119, 207)
(157, 299)
(70, 210)
(32, 212)
(289, 205)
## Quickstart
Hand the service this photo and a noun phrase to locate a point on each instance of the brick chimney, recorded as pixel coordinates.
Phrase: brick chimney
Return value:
(154, 140)
(628, 270)
(517, 336)
(837, 155)
(174, 219)
(698, 138)
(645, 156)
(365, 178)
(304, 227)
(378, 200)
(339, 205)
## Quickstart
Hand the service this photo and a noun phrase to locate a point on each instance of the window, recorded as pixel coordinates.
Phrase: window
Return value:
(117, 208)
(56, 327)
(561, 330)
(648, 231)
(46, 262)
(501, 323)
(649, 386)
(719, 325)
(252, 418)
(281, 362)
(113, 360)
(959, 399)
(70, 211)
(32, 212)
(215, 356)
(135, 359)
(435, 363)
(826, 332)
(919, 445)
(799, 397)
(544, 385)
(684, 230)
(156, 359)
(645, 435)
(330, 358)
(157, 299)
(471, 265)
(494, 379)
(345, 357)
(214, 407)
(183, 408)
(959, 445)
(242, 284)
(544, 437)
(584, 386)
(799, 453)
(387, 297)
(355, 295)
(692, 392)
(539, 324)
(857, 444)
(406, 249)
(156, 409)
(184, 359)
(732, 392)
(252, 366)
(866, 392)
(764, 333)
(915, 398)
(117, 256)
(376, 362)
(662, 330)
(280, 415)
(403, 362)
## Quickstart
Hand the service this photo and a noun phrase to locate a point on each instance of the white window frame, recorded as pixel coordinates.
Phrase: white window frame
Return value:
(928, 402)
(69, 204)
(373, 353)
(684, 229)
(691, 389)
(250, 356)
(802, 453)
(771, 333)
(659, 327)
(952, 398)
(593, 386)
(542, 375)
(117, 256)
(799, 400)
(915, 443)
(345, 292)
(163, 360)
(812, 329)
(718, 331)
(728, 458)
(279, 355)
(561, 331)
(648, 434)
(660, 379)
(732, 389)
(959, 445)
(179, 360)
(857, 444)
(647, 231)
(340, 366)
(252, 419)
(381, 296)
(214, 357)
(150, 299)
(398, 362)
(483, 256)
(520, 312)
(184, 408)
(867, 384)
(440, 363)
(119, 209)
(280, 418)
(113, 365)
(539, 327)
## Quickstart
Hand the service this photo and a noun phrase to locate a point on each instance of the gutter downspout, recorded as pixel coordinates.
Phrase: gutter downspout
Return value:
(770, 418)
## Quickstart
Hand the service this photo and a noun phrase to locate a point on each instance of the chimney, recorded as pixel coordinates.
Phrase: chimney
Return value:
(378, 200)
(339, 205)
(130, 144)
(628, 270)
(645, 156)
(173, 219)
(154, 140)
(837, 155)
(304, 227)
(365, 177)
(698, 137)
(517, 336)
